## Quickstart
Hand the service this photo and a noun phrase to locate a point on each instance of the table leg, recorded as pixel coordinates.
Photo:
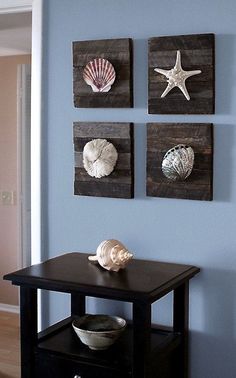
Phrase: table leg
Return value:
(141, 339)
(181, 321)
(28, 326)
(77, 304)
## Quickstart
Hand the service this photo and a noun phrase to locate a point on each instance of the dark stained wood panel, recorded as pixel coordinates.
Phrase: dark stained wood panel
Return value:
(163, 136)
(120, 183)
(197, 53)
(140, 279)
(119, 53)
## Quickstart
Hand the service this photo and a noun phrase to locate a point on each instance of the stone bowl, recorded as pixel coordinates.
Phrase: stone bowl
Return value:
(98, 332)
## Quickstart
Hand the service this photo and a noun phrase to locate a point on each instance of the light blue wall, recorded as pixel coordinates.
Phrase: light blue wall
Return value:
(193, 232)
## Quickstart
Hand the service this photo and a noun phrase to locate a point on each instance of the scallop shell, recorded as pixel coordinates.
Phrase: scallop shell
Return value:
(99, 158)
(112, 255)
(99, 74)
(177, 163)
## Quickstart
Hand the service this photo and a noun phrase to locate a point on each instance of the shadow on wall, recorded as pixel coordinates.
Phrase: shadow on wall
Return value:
(224, 140)
(212, 357)
(140, 135)
(224, 72)
(213, 351)
(140, 61)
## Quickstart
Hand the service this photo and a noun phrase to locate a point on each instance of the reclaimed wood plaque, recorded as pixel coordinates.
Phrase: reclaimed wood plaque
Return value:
(197, 53)
(119, 53)
(163, 136)
(120, 183)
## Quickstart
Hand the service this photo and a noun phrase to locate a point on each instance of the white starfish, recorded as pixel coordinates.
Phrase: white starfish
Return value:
(176, 77)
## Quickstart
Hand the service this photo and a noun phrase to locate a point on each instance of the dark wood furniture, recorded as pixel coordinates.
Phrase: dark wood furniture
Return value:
(143, 351)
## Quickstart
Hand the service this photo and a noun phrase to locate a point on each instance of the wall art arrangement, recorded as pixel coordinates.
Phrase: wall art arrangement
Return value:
(180, 160)
(181, 74)
(181, 80)
(103, 154)
(103, 73)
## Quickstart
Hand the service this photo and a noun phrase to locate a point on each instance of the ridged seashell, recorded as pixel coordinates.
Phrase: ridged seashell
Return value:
(99, 74)
(112, 255)
(99, 158)
(177, 163)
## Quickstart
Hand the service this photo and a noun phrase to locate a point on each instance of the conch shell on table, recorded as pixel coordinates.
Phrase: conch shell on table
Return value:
(111, 255)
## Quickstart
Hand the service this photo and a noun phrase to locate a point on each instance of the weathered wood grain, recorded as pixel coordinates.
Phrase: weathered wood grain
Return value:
(102, 130)
(119, 53)
(163, 136)
(120, 183)
(113, 178)
(197, 52)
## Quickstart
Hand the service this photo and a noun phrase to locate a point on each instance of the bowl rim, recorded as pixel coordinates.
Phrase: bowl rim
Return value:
(121, 323)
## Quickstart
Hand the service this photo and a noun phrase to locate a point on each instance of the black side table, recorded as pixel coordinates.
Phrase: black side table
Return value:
(143, 351)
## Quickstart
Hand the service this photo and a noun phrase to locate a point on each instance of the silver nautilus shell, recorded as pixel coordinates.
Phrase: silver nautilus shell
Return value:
(112, 255)
(99, 158)
(99, 74)
(177, 163)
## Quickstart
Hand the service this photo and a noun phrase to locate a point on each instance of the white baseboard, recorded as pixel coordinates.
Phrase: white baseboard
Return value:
(9, 308)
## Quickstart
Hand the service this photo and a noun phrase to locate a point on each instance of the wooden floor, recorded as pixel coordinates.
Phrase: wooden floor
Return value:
(9, 345)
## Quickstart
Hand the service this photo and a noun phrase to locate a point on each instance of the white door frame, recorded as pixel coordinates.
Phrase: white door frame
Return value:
(23, 164)
(36, 6)
(36, 121)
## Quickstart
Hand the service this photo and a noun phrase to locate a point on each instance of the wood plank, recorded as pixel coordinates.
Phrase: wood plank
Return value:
(197, 52)
(191, 58)
(100, 100)
(178, 107)
(108, 45)
(183, 42)
(179, 130)
(120, 61)
(163, 136)
(101, 130)
(100, 189)
(115, 177)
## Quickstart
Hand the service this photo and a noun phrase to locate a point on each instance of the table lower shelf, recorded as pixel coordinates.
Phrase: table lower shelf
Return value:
(59, 353)
(50, 365)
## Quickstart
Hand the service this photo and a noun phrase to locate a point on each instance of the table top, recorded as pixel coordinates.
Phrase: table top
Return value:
(72, 272)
